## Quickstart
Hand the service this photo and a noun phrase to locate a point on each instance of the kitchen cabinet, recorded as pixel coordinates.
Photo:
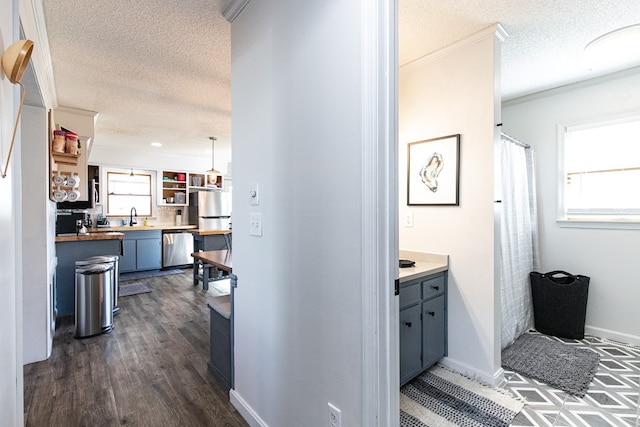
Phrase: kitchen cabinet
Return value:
(220, 363)
(197, 181)
(173, 188)
(142, 251)
(213, 241)
(423, 324)
(68, 252)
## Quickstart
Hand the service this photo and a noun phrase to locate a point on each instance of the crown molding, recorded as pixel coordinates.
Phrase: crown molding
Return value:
(495, 30)
(233, 9)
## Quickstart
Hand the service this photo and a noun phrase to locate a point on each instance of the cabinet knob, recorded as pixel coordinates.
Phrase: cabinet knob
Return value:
(432, 313)
(437, 288)
(408, 324)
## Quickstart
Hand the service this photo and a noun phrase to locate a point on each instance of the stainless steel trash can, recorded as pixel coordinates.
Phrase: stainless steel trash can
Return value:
(115, 274)
(94, 300)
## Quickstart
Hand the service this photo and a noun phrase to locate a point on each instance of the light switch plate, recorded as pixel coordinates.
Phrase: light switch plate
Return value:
(255, 224)
(254, 194)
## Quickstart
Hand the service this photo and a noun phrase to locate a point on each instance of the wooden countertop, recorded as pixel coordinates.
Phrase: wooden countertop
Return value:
(426, 264)
(141, 228)
(90, 236)
(222, 259)
(208, 232)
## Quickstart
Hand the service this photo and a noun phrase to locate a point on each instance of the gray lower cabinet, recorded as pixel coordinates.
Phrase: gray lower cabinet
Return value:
(67, 254)
(128, 260)
(423, 324)
(210, 242)
(142, 251)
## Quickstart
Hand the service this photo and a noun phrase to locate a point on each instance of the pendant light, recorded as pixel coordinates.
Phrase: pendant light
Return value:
(212, 174)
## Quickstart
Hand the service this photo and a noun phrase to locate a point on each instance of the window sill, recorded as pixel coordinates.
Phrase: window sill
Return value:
(610, 224)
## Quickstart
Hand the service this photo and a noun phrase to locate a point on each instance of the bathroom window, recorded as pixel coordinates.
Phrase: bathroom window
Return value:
(600, 171)
(126, 190)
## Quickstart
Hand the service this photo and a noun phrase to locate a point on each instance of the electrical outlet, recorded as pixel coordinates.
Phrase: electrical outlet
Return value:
(335, 416)
(255, 224)
(408, 220)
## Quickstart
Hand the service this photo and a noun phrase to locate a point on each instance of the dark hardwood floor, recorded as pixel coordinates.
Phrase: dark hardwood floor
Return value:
(151, 370)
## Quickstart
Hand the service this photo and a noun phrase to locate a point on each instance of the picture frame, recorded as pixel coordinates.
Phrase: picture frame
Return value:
(433, 171)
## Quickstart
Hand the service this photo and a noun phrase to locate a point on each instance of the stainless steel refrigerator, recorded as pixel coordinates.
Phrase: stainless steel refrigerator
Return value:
(210, 210)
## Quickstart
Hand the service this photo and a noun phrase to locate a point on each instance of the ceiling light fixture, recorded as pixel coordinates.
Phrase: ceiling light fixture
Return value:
(14, 62)
(212, 174)
(156, 144)
(616, 47)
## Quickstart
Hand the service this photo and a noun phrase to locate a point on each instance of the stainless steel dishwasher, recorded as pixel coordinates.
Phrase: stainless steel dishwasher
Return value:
(177, 247)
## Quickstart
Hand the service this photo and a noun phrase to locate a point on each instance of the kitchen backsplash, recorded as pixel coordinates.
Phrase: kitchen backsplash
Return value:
(164, 215)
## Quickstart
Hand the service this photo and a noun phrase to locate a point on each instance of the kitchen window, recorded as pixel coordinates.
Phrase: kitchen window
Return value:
(599, 164)
(128, 190)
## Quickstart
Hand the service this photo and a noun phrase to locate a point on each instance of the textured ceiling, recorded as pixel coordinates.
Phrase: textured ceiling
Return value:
(545, 47)
(160, 70)
(153, 70)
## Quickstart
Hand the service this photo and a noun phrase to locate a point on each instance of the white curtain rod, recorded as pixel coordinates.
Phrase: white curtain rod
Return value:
(513, 140)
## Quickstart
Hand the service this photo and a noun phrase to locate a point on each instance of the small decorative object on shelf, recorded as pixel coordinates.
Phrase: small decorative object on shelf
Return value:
(65, 147)
(58, 143)
(72, 143)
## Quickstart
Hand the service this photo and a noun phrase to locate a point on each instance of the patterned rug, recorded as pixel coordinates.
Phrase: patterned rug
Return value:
(439, 397)
(132, 289)
(561, 366)
(611, 400)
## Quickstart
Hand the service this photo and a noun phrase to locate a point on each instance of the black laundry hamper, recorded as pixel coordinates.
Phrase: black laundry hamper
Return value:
(559, 303)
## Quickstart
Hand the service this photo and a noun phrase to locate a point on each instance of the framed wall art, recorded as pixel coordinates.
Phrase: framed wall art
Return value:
(433, 171)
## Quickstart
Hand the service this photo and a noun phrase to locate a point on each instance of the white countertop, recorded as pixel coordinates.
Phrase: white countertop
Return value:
(426, 264)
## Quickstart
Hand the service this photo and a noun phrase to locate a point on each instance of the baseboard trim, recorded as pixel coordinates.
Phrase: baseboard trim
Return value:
(246, 411)
(499, 379)
(612, 335)
(492, 379)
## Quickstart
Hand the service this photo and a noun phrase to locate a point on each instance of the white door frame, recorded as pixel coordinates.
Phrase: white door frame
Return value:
(380, 213)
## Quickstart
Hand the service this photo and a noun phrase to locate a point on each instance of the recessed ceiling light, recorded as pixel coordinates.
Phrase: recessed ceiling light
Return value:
(620, 45)
(156, 144)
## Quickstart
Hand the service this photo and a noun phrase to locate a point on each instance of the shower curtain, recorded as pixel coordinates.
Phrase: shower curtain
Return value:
(519, 237)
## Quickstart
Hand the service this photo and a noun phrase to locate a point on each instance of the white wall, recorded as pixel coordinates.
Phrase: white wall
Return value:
(11, 300)
(152, 159)
(609, 257)
(454, 91)
(38, 213)
(297, 132)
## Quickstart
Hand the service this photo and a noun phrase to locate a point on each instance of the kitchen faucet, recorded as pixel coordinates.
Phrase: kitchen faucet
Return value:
(131, 220)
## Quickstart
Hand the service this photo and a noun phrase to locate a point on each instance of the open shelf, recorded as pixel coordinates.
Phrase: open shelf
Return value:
(65, 158)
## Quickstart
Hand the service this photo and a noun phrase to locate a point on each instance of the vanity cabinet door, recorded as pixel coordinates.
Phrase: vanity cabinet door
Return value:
(410, 343)
(433, 330)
